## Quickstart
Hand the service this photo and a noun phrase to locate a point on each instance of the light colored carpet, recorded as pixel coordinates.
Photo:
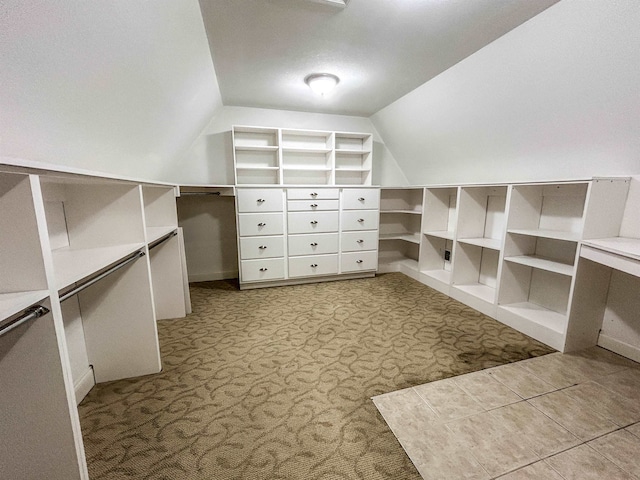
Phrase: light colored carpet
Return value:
(276, 383)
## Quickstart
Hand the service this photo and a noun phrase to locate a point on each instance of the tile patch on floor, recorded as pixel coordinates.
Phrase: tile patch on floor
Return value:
(556, 417)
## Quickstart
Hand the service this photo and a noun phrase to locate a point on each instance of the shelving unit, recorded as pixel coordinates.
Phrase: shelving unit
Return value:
(400, 224)
(269, 156)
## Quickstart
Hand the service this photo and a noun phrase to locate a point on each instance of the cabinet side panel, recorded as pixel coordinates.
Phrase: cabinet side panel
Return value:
(621, 320)
(631, 219)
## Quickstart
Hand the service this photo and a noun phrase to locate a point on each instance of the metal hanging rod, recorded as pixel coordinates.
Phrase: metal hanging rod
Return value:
(29, 314)
(163, 239)
(199, 193)
(88, 283)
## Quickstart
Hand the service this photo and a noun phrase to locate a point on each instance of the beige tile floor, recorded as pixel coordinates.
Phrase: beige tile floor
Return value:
(556, 417)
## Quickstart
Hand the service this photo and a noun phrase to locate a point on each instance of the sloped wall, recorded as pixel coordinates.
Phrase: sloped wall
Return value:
(120, 86)
(556, 98)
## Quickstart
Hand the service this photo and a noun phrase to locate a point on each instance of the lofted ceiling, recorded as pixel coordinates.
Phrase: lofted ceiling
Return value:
(381, 49)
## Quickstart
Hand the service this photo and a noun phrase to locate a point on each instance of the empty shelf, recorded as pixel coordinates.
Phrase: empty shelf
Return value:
(407, 237)
(627, 247)
(555, 234)
(479, 290)
(541, 316)
(154, 233)
(15, 302)
(542, 264)
(492, 243)
(446, 234)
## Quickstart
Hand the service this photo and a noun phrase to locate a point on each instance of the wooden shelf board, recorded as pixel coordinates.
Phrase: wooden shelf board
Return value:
(483, 292)
(72, 265)
(154, 233)
(542, 264)
(303, 168)
(347, 151)
(407, 237)
(412, 212)
(535, 313)
(256, 148)
(491, 243)
(255, 168)
(627, 247)
(305, 150)
(553, 234)
(446, 234)
(443, 276)
(15, 302)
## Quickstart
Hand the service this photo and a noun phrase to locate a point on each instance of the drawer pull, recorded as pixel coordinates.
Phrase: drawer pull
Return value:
(361, 199)
(314, 205)
(360, 220)
(262, 247)
(261, 200)
(263, 269)
(314, 222)
(314, 194)
(314, 244)
(314, 265)
(359, 241)
(359, 261)
(262, 224)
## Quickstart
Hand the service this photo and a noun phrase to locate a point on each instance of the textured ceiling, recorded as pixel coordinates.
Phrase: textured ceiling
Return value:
(380, 49)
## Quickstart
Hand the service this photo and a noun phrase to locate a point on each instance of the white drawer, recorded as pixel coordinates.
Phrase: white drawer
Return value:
(313, 244)
(313, 222)
(359, 261)
(360, 198)
(313, 265)
(263, 269)
(312, 193)
(251, 224)
(259, 200)
(359, 241)
(261, 247)
(360, 220)
(312, 205)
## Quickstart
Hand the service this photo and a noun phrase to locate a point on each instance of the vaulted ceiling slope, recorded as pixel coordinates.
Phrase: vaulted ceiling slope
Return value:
(380, 49)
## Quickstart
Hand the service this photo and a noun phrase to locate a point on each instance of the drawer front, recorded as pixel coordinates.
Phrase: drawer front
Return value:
(313, 265)
(313, 244)
(312, 205)
(359, 261)
(263, 269)
(259, 200)
(252, 224)
(359, 241)
(312, 194)
(360, 198)
(314, 222)
(360, 220)
(261, 247)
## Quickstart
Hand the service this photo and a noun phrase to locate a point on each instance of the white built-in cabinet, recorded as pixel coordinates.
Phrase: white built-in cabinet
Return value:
(540, 257)
(88, 265)
(279, 156)
(300, 234)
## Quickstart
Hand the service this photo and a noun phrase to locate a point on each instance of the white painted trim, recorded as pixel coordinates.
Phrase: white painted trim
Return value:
(84, 384)
(300, 281)
(209, 277)
(619, 347)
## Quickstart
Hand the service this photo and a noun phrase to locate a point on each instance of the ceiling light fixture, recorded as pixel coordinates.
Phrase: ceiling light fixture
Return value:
(321, 83)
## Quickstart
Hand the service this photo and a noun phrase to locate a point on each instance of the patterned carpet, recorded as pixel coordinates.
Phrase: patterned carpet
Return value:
(276, 383)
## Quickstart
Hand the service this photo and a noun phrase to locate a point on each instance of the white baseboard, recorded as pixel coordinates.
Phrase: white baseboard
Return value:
(208, 277)
(84, 384)
(619, 347)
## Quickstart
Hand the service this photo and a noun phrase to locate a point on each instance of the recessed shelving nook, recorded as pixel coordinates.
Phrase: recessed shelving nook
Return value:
(88, 264)
(278, 156)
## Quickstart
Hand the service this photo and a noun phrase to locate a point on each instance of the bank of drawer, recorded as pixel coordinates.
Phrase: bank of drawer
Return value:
(360, 198)
(313, 222)
(313, 265)
(312, 205)
(261, 247)
(360, 220)
(262, 269)
(359, 261)
(259, 200)
(311, 193)
(251, 224)
(313, 244)
(359, 241)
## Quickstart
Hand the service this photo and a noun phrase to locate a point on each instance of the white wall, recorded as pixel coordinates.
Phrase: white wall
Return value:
(557, 97)
(119, 86)
(210, 159)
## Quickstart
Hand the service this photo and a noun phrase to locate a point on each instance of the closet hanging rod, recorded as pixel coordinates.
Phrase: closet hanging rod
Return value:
(29, 314)
(88, 283)
(163, 239)
(200, 193)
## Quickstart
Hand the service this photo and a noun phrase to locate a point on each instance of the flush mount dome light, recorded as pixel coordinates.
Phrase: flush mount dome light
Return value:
(321, 83)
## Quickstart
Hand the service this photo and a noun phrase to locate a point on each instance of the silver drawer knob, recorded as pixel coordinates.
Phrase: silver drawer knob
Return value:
(262, 247)
(360, 220)
(314, 222)
(314, 265)
(314, 205)
(314, 194)
(262, 224)
(359, 241)
(261, 200)
(358, 261)
(314, 244)
(263, 269)
(361, 199)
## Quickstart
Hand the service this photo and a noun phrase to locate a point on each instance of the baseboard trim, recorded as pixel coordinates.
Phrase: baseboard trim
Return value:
(84, 384)
(619, 347)
(209, 277)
